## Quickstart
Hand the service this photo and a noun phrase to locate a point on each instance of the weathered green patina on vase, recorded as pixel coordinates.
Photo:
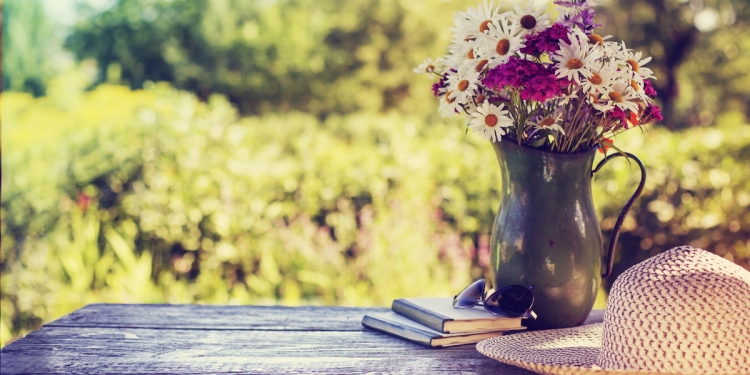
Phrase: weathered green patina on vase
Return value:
(547, 233)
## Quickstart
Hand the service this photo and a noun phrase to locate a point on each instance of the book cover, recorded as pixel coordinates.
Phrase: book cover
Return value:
(400, 326)
(440, 315)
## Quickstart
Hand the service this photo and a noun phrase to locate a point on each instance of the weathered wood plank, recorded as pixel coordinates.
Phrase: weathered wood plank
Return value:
(217, 317)
(83, 350)
(201, 339)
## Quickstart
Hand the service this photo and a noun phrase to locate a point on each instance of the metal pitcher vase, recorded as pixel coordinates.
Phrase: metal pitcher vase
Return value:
(547, 233)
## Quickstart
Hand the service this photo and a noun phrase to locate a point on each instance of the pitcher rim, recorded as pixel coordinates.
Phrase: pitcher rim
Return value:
(579, 153)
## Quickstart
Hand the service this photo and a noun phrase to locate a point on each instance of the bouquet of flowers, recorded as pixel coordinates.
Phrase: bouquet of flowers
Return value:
(555, 86)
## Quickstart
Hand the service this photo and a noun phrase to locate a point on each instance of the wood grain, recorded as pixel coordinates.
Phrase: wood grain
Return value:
(67, 350)
(199, 339)
(218, 317)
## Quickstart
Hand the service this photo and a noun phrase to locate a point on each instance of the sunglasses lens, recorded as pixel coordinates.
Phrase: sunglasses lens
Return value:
(470, 296)
(512, 301)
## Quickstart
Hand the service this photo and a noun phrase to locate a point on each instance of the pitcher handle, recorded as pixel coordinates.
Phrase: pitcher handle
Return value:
(624, 212)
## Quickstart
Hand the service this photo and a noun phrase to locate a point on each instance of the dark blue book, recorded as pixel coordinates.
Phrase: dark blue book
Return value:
(440, 315)
(399, 326)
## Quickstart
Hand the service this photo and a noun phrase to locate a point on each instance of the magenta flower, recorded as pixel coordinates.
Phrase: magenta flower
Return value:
(652, 113)
(533, 79)
(619, 114)
(546, 41)
(648, 89)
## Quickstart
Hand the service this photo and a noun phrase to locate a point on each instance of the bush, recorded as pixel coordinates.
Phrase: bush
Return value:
(173, 200)
(153, 196)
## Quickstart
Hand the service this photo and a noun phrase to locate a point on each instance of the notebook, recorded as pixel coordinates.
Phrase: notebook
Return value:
(440, 315)
(400, 326)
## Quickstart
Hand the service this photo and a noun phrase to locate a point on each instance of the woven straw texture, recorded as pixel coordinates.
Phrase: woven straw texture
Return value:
(684, 311)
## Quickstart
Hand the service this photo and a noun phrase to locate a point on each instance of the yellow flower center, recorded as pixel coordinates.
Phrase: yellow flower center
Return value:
(429, 68)
(463, 85)
(490, 120)
(594, 99)
(574, 64)
(633, 65)
(448, 97)
(615, 97)
(596, 39)
(471, 54)
(547, 121)
(484, 26)
(481, 65)
(528, 22)
(503, 46)
(635, 85)
(480, 99)
(469, 39)
(595, 79)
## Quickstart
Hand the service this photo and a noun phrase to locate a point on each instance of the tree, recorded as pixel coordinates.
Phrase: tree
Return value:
(28, 38)
(700, 50)
(327, 56)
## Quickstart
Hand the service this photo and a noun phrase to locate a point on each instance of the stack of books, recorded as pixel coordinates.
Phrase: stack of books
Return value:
(434, 322)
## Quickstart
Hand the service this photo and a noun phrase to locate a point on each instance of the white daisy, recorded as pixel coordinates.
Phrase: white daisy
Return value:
(566, 98)
(459, 50)
(530, 20)
(600, 102)
(603, 76)
(600, 43)
(636, 64)
(464, 83)
(573, 59)
(621, 51)
(499, 44)
(550, 122)
(636, 83)
(473, 22)
(622, 95)
(481, 65)
(430, 66)
(449, 106)
(489, 120)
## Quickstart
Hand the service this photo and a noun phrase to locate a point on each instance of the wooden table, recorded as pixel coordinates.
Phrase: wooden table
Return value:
(204, 339)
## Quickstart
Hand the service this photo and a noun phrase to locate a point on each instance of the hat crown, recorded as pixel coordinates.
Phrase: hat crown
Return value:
(685, 310)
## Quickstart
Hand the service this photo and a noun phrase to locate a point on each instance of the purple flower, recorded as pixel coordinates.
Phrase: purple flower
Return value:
(546, 41)
(571, 3)
(652, 113)
(648, 89)
(585, 20)
(579, 13)
(439, 85)
(618, 114)
(533, 79)
(436, 89)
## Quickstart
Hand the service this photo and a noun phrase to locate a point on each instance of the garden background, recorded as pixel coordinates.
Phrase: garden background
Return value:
(283, 151)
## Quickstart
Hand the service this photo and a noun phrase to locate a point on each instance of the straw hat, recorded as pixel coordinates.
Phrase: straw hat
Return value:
(684, 311)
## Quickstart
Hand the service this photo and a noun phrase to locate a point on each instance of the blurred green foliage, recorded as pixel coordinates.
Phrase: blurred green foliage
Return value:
(28, 37)
(321, 57)
(700, 50)
(154, 196)
(339, 56)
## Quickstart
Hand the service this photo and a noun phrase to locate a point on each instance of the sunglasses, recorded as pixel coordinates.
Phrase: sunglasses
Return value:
(512, 301)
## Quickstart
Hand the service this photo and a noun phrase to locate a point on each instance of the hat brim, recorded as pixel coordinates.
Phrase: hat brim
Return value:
(567, 351)
(557, 351)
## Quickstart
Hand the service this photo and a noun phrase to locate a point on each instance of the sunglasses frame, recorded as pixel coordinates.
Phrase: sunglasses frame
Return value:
(484, 297)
